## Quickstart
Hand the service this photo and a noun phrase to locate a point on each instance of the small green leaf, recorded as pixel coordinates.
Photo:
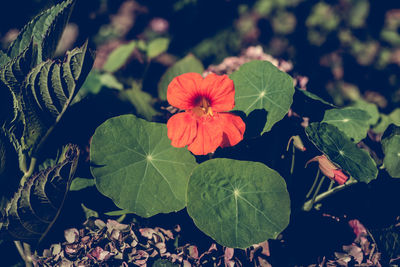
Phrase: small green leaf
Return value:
(351, 121)
(342, 151)
(109, 80)
(238, 203)
(45, 30)
(314, 97)
(187, 64)
(261, 85)
(142, 101)
(391, 149)
(119, 56)
(156, 47)
(135, 165)
(81, 183)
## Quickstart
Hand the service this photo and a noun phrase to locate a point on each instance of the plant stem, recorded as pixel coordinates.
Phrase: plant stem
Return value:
(326, 194)
(28, 255)
(20, 249)
(314, 184)
(293, 157)
(309, 204)
(331, 185)
(29, 172)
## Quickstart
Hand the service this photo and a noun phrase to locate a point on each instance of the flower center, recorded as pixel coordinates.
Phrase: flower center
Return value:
(203, 108)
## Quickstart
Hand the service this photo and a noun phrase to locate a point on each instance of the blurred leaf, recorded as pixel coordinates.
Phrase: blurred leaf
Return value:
(358, 13)
(370, 108)
(36, 205)
(136, 166)
(391, 149)
(238, 203)
(156, 47)
(386, 120)
(45, 30)
(109, 80)
(81, 183)
(119, 56)
(261, 85)
(187, 64)
(353, 122)
(342, 151)
(142, 101)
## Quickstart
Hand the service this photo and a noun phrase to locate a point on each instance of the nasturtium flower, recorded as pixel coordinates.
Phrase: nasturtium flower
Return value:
(206, 123)
(329, 169)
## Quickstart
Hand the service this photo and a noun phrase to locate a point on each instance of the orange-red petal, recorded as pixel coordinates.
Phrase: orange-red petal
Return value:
(208, 138)
(220, 90)
(183, 90)
(182, 129)
(233, 129)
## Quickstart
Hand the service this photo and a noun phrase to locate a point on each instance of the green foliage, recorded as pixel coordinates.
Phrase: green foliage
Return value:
(142, 101)
(370, 108)
(260, 85)
(353, 122)
(342, 151)
(45, 95)
(391, 148)
(238, 203)
(81, 183)
(119, 56)
(44, 30)
(187, 64)
(36, 205)
(136, 166)
(156, 47)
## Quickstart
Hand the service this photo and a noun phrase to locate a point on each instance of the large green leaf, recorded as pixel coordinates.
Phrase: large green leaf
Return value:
(391, 148)
(119, 56)
(261, 85)
(135, 165)
(46, 94)
(187, 64)
(342, 151)
(37, 203)
(353, 122)
(238, 203)
(45, 30)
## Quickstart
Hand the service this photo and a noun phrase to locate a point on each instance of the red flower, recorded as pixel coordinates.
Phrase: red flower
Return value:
(204, 126)
(329, 169)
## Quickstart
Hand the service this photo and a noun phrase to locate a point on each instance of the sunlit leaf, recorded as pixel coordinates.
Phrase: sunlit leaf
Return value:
(135, 165)
(391, 149)
(238, 203)
(156, 47)
(260, 85)
(370, 108)
(342, 151)
(353, 122)
(119, 56)
(187, 64)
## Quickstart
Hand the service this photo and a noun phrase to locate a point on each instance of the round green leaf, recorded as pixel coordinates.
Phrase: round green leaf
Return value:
(342, 151)
(135, 165)
(238, 203)
(391, 148)
(261, 85)
(187, 64)
(353, 122)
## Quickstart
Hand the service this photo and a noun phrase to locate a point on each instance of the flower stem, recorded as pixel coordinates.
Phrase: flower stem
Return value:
(308, 205)
(24, 252)
(293, 157)
(314, 184)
